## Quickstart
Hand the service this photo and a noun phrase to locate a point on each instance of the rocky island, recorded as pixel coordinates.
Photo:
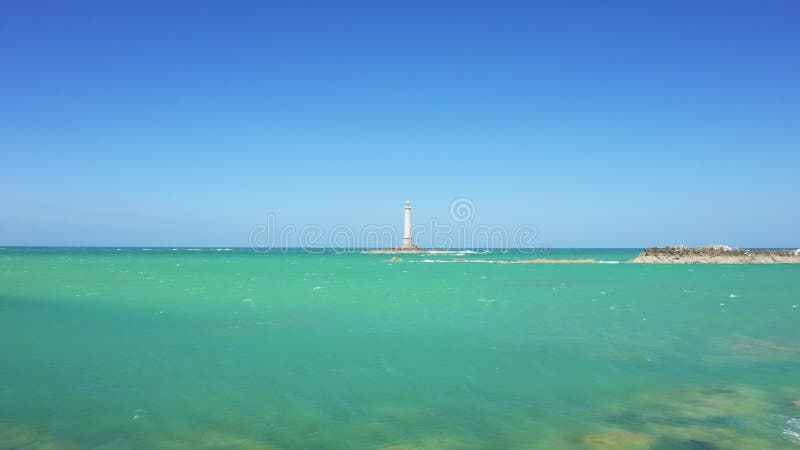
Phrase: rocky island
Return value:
(715, 254)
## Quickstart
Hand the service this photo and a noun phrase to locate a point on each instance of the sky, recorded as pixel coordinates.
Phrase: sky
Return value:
(599, 123)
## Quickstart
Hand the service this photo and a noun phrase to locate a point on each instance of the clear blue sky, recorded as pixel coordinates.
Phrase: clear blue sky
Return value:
(603, 124)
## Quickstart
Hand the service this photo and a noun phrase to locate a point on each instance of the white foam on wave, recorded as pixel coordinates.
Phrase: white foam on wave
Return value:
(792, 433)
(192, 249)
(607, 262)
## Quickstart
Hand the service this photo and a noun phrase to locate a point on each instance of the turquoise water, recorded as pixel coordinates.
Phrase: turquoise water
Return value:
(182, 349)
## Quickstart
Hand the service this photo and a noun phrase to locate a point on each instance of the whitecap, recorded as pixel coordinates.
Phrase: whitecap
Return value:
(791, 433)
(732, 296)
(793, 436)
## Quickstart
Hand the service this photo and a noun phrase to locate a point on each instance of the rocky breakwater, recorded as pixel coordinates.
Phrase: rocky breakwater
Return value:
(715, 254)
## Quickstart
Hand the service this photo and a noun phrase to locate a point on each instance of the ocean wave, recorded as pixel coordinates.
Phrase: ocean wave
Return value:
(792, 433)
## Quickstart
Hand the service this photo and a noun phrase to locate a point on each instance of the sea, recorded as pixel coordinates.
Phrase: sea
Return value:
(225, 348)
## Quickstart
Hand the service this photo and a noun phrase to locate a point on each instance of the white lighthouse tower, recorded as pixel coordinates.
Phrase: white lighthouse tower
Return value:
(407, 244)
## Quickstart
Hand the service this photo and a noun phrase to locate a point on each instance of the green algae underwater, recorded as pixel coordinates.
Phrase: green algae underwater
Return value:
(209, 348)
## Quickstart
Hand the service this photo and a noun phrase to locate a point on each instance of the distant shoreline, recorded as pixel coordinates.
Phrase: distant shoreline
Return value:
(711, 254)
(410, 251)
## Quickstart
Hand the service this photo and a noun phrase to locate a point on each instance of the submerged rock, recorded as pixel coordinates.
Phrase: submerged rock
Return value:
(713, 417)
(746, 348)
(213, 440)
(622, 440)
(14, 436)
(434, 443)
(670, 443)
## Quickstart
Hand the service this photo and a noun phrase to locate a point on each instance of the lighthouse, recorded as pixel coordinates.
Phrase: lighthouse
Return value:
(407, 244)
